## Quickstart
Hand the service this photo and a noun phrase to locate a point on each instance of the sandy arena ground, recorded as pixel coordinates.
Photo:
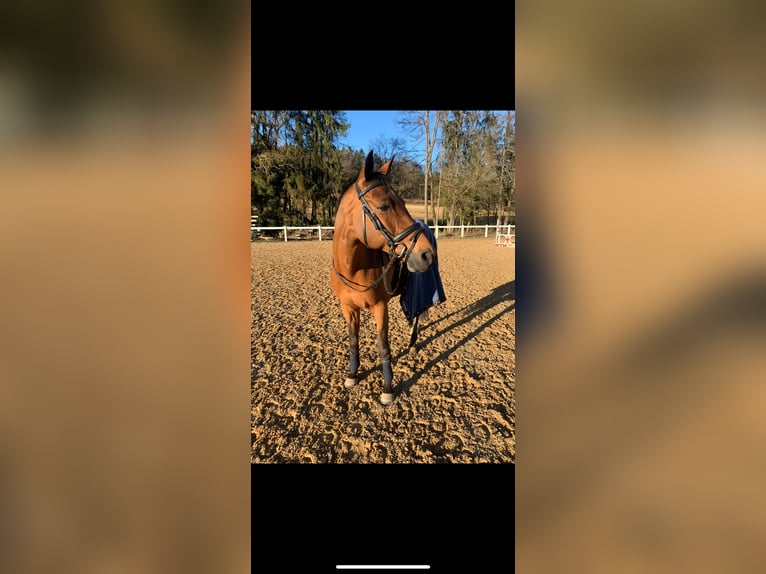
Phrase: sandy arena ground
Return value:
(454, 399)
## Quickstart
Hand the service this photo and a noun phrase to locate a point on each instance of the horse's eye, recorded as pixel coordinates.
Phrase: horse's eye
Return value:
(385, 208)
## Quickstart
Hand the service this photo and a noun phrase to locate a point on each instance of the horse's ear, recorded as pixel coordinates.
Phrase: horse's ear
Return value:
(386, 167)
(369, 168)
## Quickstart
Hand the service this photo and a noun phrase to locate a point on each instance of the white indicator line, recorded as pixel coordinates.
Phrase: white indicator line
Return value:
(384, 567)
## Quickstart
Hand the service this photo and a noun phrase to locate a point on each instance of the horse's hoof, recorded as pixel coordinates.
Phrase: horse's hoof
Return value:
(386, 398)
(413, 350)
(349, 382)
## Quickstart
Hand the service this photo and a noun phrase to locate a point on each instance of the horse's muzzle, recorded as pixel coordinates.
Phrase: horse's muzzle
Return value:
(420, 261)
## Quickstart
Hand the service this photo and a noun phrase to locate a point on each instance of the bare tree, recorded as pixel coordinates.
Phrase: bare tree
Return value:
(507, 181)
(386, 148)
(424, 131)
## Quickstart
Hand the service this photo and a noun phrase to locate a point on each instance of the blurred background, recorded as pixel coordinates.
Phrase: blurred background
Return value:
(641, 285)
(124, 353)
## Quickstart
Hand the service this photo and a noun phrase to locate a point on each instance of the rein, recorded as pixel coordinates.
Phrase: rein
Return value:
(393, 241)
(372, 285)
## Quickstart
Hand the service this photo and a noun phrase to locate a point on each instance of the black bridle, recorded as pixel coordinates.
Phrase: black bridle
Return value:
(393, 241)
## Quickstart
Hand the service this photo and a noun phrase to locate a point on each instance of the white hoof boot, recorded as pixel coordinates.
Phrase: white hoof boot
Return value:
(386, 398)
(348, 383)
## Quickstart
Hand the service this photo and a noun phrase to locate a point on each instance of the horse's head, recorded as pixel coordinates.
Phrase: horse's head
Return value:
(385, 222)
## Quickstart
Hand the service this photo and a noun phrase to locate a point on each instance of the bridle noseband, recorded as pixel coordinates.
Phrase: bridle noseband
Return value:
(393, 241)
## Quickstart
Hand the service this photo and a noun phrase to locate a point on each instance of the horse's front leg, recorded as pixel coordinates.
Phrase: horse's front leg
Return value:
(380, 312)
(414, 335)
(352, 319)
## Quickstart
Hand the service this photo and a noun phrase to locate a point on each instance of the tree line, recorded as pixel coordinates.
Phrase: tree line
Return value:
(298, 167)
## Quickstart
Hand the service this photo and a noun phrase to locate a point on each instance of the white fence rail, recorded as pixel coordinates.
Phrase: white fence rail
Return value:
(506, 232)
(315, 232)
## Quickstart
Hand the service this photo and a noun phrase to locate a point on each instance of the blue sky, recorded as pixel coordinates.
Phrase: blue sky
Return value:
(367, 126)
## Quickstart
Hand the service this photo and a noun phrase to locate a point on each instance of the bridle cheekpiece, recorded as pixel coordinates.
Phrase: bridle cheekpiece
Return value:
(393, 241)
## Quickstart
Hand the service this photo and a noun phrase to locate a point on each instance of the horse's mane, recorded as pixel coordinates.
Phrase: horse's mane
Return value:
(345, 188)
(349, 185)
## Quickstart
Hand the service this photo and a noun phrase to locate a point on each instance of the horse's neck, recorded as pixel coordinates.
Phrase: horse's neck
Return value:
(351, 256)
(350, 253)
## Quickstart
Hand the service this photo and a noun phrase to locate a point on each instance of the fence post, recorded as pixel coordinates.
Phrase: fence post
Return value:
(436, 231)
(486, 230)
(285, 230)
(462, 230)
(319, 228)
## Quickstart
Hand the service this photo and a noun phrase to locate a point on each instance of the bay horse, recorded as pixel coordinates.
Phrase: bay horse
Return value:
(374, 237)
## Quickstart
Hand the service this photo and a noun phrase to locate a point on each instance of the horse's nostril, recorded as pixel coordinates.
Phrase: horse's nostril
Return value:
(428, 257)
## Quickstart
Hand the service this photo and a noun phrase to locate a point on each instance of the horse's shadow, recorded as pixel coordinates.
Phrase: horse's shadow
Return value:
(499, 295)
